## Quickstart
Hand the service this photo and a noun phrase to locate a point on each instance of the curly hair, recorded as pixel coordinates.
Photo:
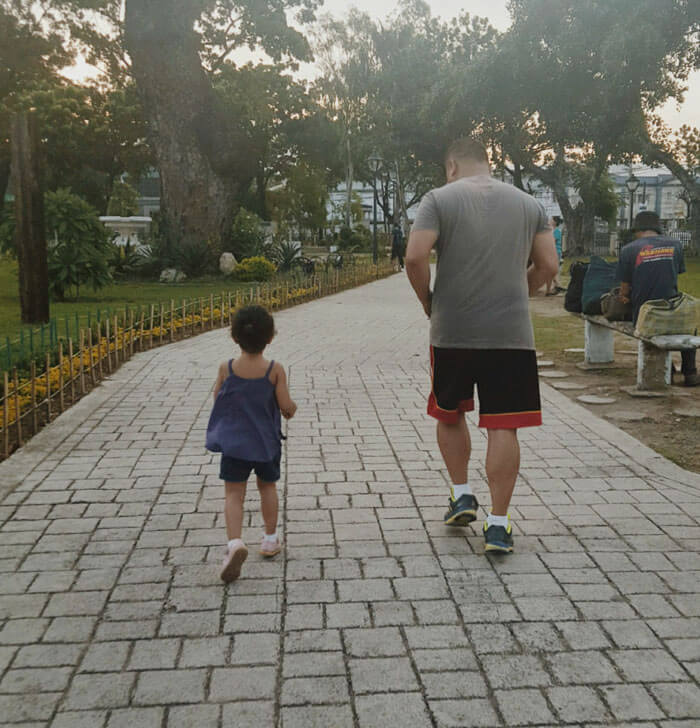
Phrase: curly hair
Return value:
(253, 329)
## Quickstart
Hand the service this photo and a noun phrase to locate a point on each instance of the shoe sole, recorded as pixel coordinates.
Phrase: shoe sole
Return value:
(498, 548)
(270, 554)
(232, 570)
(463, 518)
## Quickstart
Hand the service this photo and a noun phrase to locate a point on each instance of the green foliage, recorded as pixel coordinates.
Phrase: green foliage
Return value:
(7, 231)
(124, 261)
(123, 201)
(247, 235)
(79, 247)
(352, 240)
(287, 255)
(599, 189)
(195, 257)
(256, 268)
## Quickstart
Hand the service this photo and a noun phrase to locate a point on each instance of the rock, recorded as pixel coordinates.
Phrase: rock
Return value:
(545, 363)
(689, 411)
(168, 275)
(227, 263)
(553, 374)
(180, 276)
(627, 416)
(595, 399)
(567, 385)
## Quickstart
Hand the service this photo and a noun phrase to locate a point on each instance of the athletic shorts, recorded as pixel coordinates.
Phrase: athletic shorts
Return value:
(506, 381)
(234, 470)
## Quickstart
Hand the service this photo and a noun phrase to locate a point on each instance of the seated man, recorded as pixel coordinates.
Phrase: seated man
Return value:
(648, 269)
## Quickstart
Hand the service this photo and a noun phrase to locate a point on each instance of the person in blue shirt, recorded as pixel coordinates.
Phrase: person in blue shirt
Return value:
(648, 269)
(553, 286)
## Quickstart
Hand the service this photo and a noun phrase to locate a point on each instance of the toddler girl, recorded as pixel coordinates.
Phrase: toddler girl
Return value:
(245, 427)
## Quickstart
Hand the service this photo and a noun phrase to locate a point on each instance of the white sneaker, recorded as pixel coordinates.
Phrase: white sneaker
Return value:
(236, 554)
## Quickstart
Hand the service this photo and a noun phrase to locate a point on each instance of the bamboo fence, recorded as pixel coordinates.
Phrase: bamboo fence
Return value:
(31, 402)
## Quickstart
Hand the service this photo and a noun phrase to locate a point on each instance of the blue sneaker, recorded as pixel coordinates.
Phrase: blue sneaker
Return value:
(461, 511)
(498, 538)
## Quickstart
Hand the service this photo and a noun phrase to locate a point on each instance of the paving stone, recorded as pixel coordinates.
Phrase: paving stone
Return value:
(128, 717)
(631, 702)
(154, 654)
(577, 704)
(379, 642)
(514, 671)
(105, 657)
(159, 687)
(679, 700)
(381, 675)
(582, 668)
(248, 714)
(317, 716)
(188, 716)
(378, 711)
(474, 713)
(252, 682)
(314, 690)
(523, 707)
(106, 690)
(647, 665)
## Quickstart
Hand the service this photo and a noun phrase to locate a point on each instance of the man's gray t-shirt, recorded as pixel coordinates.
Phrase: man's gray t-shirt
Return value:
(485, 232)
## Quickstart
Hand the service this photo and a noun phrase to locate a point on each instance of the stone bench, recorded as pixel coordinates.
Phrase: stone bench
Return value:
(653, 354)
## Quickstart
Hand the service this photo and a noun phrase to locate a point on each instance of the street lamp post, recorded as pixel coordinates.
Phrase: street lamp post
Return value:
(632, 183)
(375, 162)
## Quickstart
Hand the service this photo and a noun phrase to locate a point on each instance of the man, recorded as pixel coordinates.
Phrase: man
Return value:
(484, 232)
(648, 269)
(553, 286)
(397, 247)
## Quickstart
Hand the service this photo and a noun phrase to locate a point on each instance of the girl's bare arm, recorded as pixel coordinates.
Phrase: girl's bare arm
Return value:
(220, 379)
(286, 404)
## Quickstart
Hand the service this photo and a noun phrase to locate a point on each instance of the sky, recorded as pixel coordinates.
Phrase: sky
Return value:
(496, 11)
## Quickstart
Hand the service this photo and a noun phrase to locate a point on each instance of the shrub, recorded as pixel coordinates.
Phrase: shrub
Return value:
(287, 255)
(357, 239)
(78, 244)
(124, 261)
(247, 236)
(255, 269)
(195, 257)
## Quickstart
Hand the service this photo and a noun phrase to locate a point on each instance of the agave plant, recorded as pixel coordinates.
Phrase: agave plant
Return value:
(287, 255)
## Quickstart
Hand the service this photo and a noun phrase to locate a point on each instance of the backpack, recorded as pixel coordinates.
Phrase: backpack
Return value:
(572, 300)
(599, 279)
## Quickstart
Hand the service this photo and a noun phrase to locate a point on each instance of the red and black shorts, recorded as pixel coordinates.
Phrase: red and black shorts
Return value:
(506, 380)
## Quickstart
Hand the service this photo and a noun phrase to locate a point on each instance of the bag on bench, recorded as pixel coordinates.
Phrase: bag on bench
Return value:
(572, 300)
(612, 307)
(600, 278)
(677, 315)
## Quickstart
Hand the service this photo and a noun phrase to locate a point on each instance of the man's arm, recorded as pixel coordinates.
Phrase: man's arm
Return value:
(545, 262)
(420, 243)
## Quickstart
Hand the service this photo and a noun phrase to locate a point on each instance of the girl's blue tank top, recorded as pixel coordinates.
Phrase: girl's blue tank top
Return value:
(245, 421)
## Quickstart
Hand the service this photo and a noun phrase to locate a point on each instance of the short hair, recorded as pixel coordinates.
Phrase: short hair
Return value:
(647, 220)
(252, 329)
(467, 149)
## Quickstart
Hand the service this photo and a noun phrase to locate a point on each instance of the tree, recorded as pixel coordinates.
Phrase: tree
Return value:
(205, 157)
(567, 89)
(302, 200)
(89, 137)
(28, 54)
(123, 201)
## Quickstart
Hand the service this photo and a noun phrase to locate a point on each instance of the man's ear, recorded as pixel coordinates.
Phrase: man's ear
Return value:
(450, 169)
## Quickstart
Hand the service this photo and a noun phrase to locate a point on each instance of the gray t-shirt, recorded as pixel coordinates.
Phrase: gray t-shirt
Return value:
(485, 232)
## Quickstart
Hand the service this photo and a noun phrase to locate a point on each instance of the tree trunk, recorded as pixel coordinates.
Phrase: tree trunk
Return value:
(261, 189)
(30, 232)
(4, 179)
(203, 156)
(348, 184)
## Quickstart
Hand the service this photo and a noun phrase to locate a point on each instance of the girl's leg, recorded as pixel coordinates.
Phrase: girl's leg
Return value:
(268, 505)
(233, 509)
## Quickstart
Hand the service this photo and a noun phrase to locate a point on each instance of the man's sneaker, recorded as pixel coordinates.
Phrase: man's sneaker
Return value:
(236, 554)
(498, 538)
(462, 511)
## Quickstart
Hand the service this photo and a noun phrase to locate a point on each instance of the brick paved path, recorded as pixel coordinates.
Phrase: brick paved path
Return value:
(376, 615)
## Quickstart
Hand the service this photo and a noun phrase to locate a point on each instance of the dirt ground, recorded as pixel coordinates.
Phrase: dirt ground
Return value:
(669, 424)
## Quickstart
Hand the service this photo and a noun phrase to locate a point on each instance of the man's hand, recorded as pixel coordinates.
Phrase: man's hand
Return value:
(428, 304)
(420, 244)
